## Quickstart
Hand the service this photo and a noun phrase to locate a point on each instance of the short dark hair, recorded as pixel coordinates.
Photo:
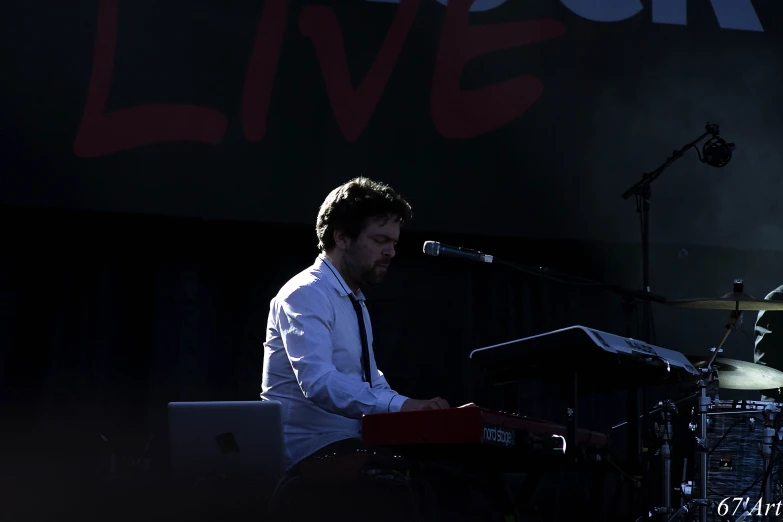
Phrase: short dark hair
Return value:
(349, 206)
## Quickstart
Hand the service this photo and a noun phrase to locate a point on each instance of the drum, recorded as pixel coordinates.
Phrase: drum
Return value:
(735, 465)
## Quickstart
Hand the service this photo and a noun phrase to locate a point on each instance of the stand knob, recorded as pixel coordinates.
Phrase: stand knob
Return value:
(686, 489)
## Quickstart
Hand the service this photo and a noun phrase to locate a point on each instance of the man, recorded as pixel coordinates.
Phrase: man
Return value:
(316, 362)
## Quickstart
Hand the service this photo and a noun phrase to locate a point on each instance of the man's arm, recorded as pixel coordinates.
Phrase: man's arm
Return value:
(303, 318)
(405, 403)
(379, 382)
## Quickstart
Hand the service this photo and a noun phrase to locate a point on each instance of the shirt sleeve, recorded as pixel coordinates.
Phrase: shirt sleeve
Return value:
(305, 320)
(379, 382)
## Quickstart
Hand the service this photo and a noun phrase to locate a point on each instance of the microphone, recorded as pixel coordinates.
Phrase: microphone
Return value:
(433, 248)
(716, 152)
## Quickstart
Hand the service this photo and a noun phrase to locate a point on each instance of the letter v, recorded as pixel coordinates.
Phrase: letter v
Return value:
(354, 108)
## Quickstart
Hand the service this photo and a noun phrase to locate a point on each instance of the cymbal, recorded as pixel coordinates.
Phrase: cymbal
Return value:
(742, 375)
(730, 301)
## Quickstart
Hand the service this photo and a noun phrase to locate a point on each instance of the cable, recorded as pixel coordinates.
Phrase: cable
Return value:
(283, 483)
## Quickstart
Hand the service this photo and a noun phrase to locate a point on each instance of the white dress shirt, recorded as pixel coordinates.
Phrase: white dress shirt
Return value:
(313, 362)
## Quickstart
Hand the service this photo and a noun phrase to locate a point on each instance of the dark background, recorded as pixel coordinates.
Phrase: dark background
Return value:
(142, 244)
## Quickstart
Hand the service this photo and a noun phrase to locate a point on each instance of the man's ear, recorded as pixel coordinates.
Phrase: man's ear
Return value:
(340, 239)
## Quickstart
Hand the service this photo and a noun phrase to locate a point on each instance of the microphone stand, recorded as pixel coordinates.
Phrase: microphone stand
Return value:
(642, 191)
(634, 437)
(627, 294)
(548, 273)
(634, 409)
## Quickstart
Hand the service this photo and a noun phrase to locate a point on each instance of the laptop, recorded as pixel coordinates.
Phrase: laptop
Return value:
(237, 438)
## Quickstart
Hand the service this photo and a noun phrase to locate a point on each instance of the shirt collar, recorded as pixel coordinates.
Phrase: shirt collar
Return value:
(334, 277)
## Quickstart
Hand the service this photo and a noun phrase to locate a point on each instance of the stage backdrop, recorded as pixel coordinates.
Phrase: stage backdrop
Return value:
(524, 118)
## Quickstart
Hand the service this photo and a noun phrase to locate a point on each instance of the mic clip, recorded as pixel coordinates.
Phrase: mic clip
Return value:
(716, 152)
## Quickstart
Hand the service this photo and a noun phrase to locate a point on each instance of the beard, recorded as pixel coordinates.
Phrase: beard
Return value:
(361, 272)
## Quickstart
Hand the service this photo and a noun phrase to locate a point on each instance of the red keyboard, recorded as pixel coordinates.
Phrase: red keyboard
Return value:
(469, 425)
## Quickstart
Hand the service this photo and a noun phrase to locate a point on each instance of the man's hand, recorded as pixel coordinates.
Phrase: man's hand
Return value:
(432, 404)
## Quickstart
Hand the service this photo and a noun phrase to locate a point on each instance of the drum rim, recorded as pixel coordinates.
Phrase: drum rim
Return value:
(735, 404)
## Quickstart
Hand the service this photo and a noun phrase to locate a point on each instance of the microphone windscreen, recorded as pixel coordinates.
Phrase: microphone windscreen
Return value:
(431, 248)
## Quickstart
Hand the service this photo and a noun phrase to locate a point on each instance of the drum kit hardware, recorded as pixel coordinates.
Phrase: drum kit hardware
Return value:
(733, 301)
(749, 450)
(743, 375)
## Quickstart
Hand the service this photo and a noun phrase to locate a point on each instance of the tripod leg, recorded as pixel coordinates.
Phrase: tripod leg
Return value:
(666, 457)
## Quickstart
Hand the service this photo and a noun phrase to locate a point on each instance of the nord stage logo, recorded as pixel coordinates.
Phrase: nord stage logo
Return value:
(499, 435)
(739, 15)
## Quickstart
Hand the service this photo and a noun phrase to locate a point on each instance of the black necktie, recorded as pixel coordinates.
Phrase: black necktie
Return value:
(363, 332)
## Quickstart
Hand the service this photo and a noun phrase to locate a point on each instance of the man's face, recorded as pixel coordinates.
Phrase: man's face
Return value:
(367, 258)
